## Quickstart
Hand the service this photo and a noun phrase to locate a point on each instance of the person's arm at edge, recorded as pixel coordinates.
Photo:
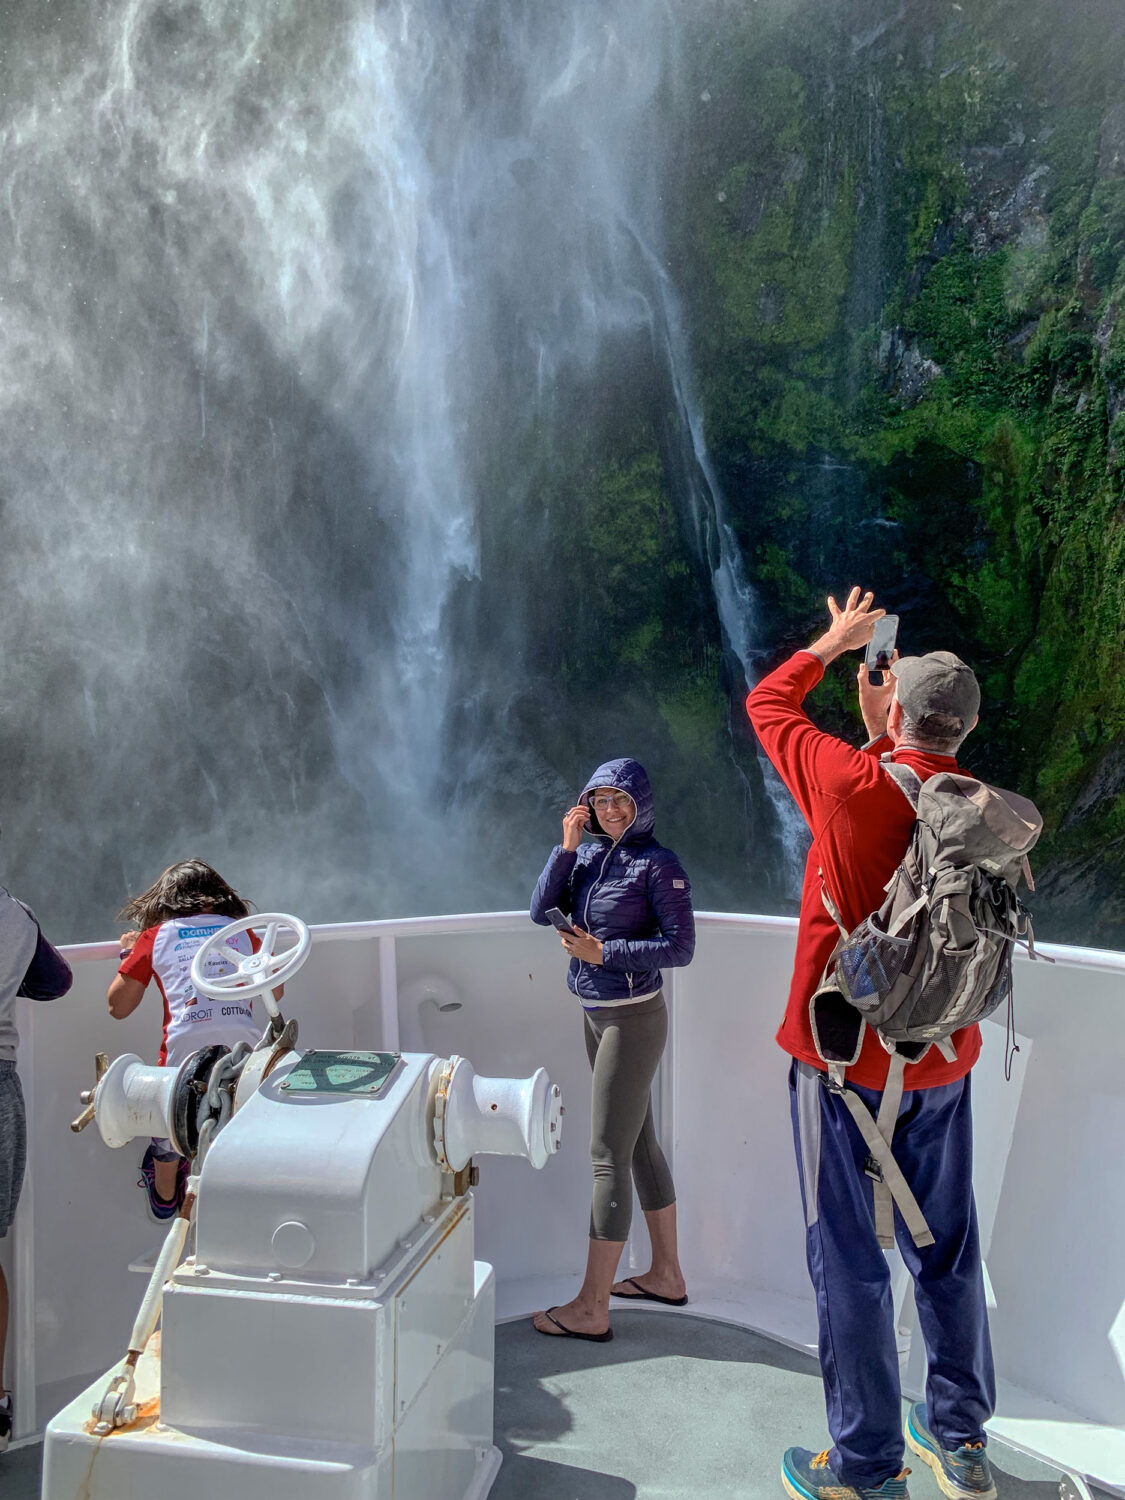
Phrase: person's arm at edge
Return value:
(48, 975)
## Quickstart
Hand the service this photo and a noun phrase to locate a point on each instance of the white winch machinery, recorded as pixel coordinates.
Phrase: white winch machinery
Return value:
(329, 1334)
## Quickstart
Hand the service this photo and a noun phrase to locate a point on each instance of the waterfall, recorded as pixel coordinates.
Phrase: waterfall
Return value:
(574, 155)
(235, 501)
(734, 597)
(278, 285)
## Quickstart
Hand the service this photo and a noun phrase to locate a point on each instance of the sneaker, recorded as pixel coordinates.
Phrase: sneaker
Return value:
(159, 1211)
(963, 1473)
(808, 1476)
(5, 1420)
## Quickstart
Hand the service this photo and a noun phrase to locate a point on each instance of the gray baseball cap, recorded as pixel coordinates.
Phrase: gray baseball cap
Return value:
(937, 683)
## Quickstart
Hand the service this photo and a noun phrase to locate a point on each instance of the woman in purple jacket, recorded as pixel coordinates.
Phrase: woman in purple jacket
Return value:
(629, 903)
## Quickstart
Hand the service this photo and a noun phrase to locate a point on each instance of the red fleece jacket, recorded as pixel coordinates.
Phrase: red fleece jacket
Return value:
(861, 824)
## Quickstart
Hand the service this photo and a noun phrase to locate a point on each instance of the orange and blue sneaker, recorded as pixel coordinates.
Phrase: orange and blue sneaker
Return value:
(809, 1476)
(963, 1472)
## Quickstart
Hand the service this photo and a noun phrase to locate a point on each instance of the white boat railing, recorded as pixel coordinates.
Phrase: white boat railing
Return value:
(1049, 1168)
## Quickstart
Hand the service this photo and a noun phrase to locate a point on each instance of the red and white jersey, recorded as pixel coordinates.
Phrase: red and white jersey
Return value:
(191, 1021)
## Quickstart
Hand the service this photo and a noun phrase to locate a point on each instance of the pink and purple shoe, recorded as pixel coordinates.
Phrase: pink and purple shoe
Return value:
(160, 1210)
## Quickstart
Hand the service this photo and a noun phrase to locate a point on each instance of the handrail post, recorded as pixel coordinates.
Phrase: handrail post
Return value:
(388, 993)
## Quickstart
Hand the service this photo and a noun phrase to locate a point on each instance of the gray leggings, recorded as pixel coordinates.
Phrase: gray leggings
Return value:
(624, 1045)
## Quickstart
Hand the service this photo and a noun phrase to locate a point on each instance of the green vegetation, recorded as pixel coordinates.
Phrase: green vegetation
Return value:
(909, 303)
(645, 597)
(902, 248)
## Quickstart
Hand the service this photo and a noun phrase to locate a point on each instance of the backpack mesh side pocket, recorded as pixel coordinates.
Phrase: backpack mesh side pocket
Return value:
(870, 963)
(944, 978)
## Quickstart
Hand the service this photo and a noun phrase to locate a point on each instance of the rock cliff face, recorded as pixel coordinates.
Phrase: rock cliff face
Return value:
(905, 234)
(898, 233)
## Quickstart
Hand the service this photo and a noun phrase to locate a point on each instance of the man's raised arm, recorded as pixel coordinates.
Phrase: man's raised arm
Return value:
(810, 762)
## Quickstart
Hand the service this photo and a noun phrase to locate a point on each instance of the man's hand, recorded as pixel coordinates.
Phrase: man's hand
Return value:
(875, 702)
(580, 944)
(851, 627)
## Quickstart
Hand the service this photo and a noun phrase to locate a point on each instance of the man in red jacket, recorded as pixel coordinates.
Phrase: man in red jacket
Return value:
(861, 823)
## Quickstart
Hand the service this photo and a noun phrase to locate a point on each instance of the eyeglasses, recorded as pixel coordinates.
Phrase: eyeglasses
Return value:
(620, 800)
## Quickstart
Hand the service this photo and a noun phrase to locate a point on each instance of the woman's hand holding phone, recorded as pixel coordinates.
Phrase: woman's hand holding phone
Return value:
(580, 944)
(574, 826)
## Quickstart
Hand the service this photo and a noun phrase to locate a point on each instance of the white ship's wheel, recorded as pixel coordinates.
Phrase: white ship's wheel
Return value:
(252, 974)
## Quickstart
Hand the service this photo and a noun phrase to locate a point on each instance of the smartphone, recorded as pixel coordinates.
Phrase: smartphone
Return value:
(880, 649)
(557, 920)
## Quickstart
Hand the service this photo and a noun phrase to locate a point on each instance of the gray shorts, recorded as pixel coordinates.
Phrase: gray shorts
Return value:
(13, 1143)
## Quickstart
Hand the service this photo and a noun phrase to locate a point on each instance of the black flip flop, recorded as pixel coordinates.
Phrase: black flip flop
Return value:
(640, 1295)
(572, 1333)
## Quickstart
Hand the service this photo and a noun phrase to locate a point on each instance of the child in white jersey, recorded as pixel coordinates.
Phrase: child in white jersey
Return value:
(173, 918)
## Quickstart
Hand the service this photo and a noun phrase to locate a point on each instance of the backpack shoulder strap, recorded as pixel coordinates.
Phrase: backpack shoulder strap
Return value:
(906, 779)
(833, 911)
(909, 784)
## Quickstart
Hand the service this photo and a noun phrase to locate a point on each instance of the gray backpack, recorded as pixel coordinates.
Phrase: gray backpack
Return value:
(934, 958)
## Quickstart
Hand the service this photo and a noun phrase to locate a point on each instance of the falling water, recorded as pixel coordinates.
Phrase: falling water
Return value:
(573, 164)
(734, 597)
(278, 285)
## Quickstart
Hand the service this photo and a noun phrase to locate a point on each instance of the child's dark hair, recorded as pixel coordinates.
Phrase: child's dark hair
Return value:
(184, 890)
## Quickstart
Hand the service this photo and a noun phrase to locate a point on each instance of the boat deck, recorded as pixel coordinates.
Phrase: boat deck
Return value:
(676, 1406)
(680, 1403)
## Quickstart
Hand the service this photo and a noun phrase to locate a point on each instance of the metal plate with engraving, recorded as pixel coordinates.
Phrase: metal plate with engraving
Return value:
(364, 1073)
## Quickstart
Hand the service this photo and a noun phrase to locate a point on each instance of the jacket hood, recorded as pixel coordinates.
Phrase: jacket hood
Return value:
(627, 776)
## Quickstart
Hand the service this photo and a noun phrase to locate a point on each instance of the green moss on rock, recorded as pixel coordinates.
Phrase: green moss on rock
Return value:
(907, 267)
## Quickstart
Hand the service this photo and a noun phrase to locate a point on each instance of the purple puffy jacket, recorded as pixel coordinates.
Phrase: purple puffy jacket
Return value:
(633, 896)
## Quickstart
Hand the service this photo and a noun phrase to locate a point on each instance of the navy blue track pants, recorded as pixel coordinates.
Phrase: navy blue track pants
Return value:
(933, 1144)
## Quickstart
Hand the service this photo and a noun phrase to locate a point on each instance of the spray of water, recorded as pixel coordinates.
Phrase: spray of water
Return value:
(235, 501)
(275, 282)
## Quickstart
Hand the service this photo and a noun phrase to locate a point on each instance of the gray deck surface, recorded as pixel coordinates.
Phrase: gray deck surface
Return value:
(675, 1408)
